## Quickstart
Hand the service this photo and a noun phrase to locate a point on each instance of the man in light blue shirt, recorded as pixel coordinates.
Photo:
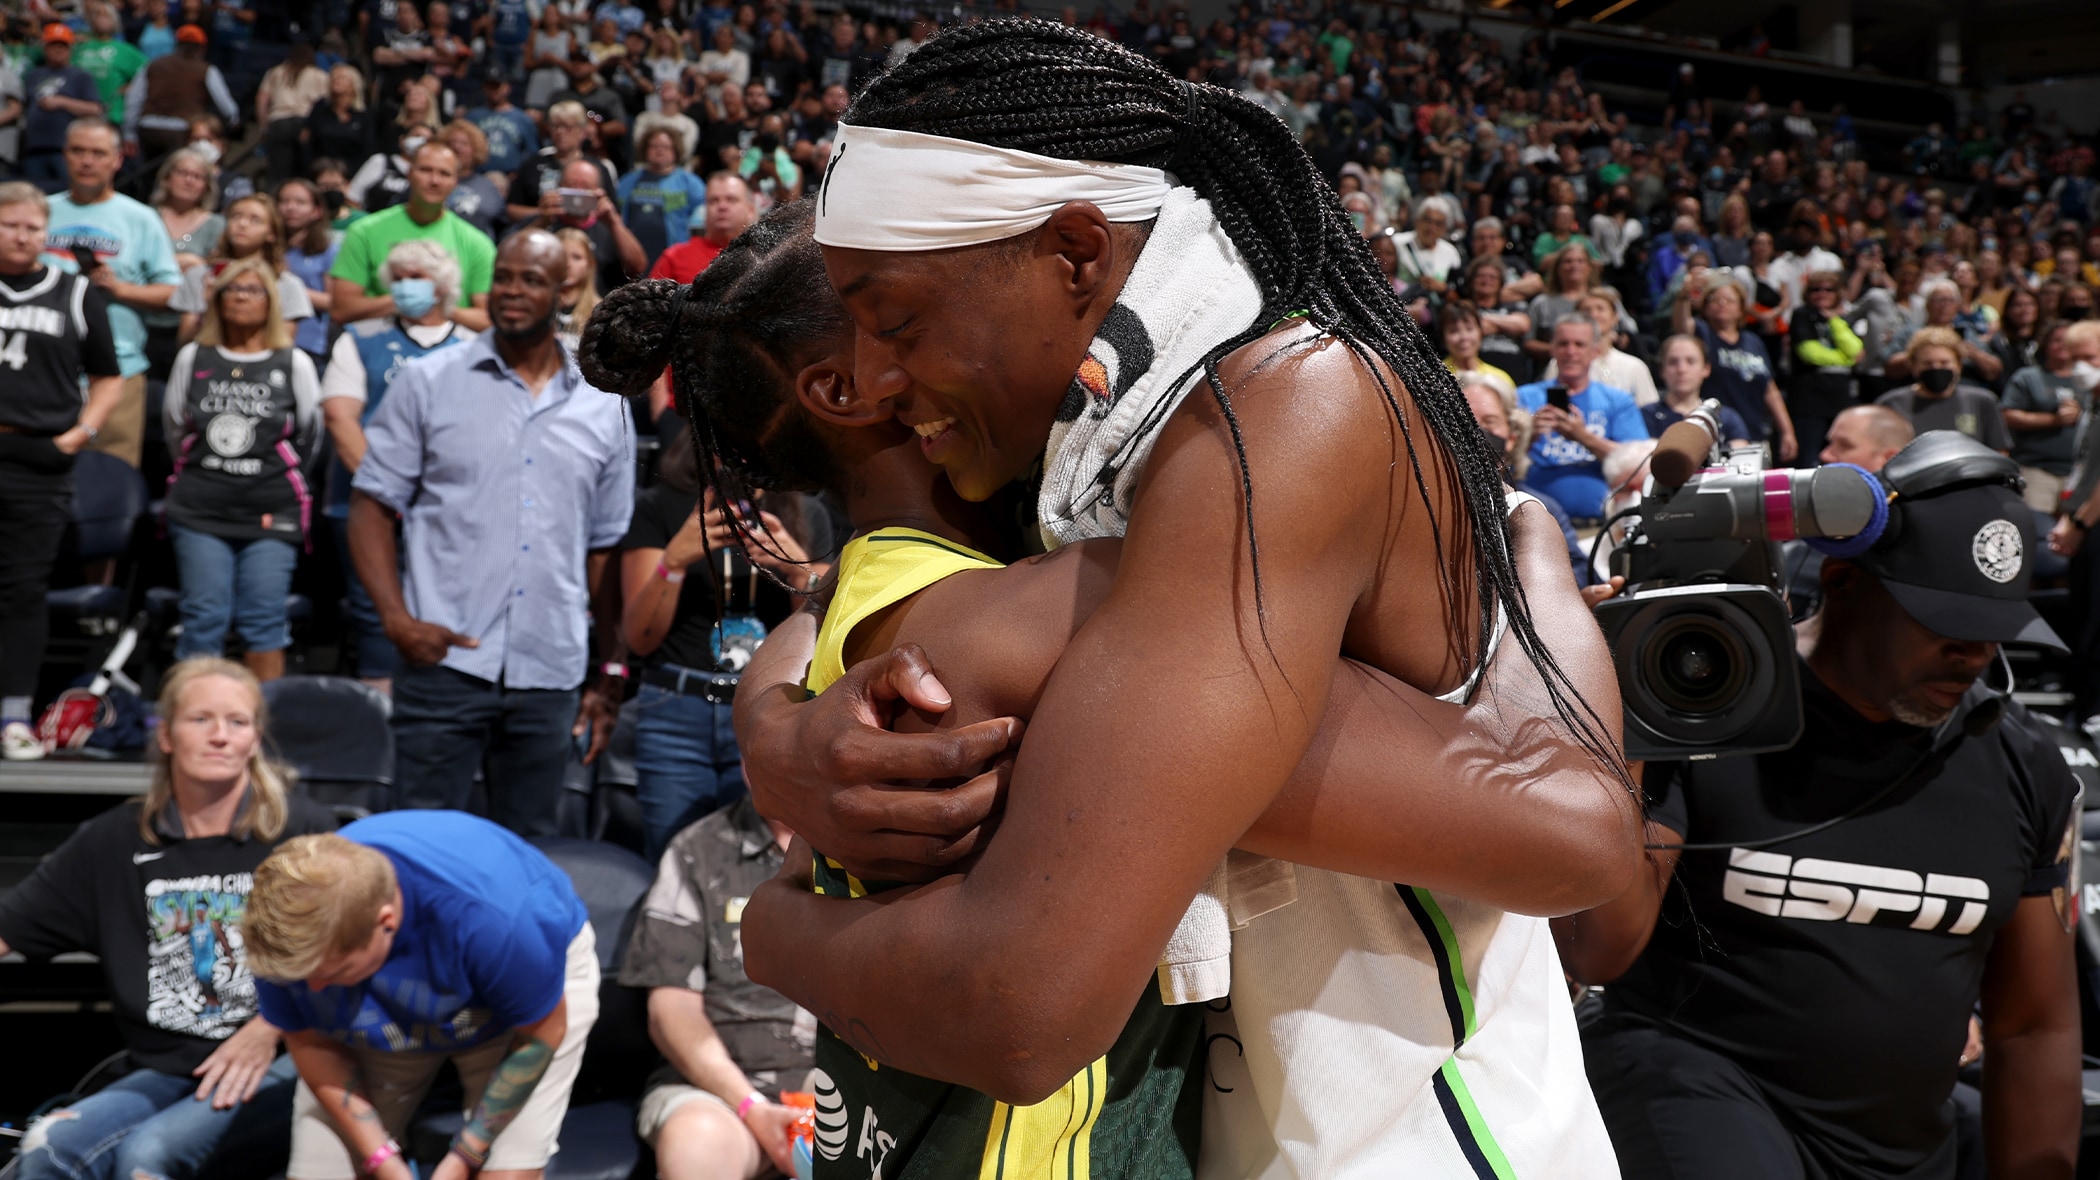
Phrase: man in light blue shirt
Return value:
(514, 481)
(134, 265)
(1568, 446)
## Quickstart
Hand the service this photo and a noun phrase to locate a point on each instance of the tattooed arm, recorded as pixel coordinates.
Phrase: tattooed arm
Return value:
(531, 1052)
(331, 1072)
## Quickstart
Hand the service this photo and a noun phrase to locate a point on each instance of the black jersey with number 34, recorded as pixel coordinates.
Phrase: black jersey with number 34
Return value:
(54, 330)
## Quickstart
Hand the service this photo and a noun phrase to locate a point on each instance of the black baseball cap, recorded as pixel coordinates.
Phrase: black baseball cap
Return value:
(1959, 551)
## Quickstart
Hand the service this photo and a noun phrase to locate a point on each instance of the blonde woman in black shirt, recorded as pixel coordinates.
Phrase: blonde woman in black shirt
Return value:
(156, 889)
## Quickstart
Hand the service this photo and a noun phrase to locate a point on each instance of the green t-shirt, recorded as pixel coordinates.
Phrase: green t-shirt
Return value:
(367, 241)
(112, 64)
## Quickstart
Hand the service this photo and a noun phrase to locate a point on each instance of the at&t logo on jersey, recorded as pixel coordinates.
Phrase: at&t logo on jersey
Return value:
(1815, 890)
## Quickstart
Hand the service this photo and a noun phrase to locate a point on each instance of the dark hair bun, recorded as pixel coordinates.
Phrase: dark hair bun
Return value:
(628, 340)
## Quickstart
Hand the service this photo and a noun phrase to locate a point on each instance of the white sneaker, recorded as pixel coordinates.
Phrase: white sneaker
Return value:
(19, 743)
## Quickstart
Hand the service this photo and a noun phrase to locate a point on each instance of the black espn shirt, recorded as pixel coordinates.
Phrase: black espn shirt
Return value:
(54, 329)
(1839, 970)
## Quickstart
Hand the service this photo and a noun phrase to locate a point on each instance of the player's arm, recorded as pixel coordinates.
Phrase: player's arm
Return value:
(1534, 826)
(330, 1071)
(1598, 945)
(1493, 800)
(1175, 716)
(2031, 1059)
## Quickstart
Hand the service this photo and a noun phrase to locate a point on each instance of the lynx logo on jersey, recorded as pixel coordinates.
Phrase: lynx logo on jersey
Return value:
(1834, 890)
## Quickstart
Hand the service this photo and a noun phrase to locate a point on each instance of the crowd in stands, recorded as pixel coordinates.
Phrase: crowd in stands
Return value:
(329, 328)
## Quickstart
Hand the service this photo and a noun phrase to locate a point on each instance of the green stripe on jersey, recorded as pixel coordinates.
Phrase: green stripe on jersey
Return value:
(1483, 1138)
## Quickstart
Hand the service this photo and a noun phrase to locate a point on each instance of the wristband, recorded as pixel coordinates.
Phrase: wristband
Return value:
(475, 1160)
(387, 1151)
(668, 574)
(743, 1108)
(93, 433)
(615, 669)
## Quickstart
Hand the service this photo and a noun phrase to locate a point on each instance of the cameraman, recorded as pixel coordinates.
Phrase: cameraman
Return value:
(1799, 1006)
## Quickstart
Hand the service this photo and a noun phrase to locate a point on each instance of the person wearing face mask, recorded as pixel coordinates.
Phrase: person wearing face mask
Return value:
(1936, 400)
(357, 284)
(422, 279)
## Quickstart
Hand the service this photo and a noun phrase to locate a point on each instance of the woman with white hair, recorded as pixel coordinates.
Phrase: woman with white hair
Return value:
(156, 889)
(1942, 310)
(424, 278)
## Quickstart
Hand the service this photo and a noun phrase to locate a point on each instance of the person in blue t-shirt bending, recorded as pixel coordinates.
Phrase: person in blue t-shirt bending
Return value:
(405, 940)
(1568, 447)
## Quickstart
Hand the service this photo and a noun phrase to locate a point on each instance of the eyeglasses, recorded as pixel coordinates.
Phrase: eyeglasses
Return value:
(244, 291)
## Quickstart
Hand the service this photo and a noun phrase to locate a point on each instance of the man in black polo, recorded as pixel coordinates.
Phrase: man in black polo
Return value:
(1795, 1006)
(714, 1112)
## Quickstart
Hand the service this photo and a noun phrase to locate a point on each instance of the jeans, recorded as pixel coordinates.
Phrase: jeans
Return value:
(36, 502)
(447, 722)
(376, 657)
(150, 1124)
(237, 583)
(685, 761)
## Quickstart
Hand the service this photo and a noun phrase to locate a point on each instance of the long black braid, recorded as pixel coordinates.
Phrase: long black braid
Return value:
(734, 342)
(1057, 91)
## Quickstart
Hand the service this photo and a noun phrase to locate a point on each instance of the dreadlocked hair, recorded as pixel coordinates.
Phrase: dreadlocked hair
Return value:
(1042, 87)
(743, 330)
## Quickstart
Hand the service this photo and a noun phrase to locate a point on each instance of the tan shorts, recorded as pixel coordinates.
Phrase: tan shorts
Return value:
(396, 1083)
(662, 1100)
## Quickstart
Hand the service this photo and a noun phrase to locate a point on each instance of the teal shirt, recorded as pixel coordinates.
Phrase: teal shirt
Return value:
(129, 238)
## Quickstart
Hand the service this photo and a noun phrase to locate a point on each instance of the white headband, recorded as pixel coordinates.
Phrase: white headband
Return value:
(903, 191)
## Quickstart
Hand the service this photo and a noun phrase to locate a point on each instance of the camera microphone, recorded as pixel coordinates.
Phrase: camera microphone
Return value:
(1683, 449)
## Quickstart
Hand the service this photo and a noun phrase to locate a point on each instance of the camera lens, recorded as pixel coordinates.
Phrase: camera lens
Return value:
(1694, 665)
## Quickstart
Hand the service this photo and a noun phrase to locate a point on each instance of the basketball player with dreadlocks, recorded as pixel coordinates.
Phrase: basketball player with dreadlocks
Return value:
(999, 223)
(787, 414)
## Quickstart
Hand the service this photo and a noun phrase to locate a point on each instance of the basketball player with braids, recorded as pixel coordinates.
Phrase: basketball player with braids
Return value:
(1027, 285)
(770, 388)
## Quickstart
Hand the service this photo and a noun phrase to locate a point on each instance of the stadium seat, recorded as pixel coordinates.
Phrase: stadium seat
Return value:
(109, 496)
(333, 730)
(597, 1135)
